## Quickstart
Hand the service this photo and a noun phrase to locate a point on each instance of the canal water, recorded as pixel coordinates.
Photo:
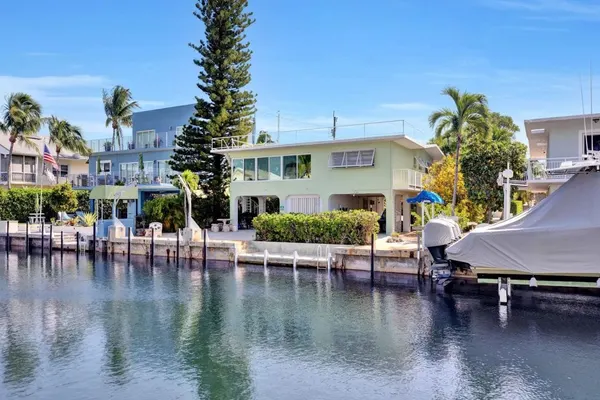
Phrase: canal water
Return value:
(106, 330)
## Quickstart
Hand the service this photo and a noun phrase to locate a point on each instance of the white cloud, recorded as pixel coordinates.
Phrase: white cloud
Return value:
(76, 98)
(407, 106)
(40, 54)
(559, 9)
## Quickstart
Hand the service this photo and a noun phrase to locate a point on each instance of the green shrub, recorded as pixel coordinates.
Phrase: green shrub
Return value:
(63, 198)
(168, 210)
(83, 200)
(336, 227)
(516, 207)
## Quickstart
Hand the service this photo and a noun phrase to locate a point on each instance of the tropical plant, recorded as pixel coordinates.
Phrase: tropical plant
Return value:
(63, 198)
(118, 107)
(482, 162)
(470, 111)
(21, 120)
(66, 136)
(264, 137)
(167, 209)
(87, 219)
(190, 178)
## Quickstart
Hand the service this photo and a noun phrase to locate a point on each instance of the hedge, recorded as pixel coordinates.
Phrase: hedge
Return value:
(516, 207)
(353, 227)
(18, 203)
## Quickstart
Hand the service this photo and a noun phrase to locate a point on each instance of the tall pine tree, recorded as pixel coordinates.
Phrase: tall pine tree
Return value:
(225, 109)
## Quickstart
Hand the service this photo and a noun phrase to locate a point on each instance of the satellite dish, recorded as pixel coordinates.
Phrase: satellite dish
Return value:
(507, 173)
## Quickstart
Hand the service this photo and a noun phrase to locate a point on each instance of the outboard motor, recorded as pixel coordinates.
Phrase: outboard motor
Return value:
(438, 233)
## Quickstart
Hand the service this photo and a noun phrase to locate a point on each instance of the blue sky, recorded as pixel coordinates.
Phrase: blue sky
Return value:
(368, 61)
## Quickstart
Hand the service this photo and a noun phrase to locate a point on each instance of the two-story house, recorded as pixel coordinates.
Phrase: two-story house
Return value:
(373, 173)
(27, 164)
(142, 157)
(558, 141)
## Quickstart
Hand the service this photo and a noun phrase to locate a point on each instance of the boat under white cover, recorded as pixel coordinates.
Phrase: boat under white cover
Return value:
(560, 235)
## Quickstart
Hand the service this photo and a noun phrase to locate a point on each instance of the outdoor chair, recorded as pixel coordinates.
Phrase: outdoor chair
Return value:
(157, 228)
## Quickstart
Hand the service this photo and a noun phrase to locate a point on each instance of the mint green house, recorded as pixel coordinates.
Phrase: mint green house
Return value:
(376, 173)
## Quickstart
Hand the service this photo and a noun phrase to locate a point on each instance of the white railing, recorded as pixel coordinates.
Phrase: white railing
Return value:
(298, 136)
(152, 176)
(147, 140)
(408, 179)
(537, 168)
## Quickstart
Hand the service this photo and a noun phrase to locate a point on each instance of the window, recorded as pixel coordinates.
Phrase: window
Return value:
(270, 168)
(163, 172)
(263, 168)
(591, 143)
(274, 168)
(105, 166)
(250, 169)
(64, 170)
(24, 168)
(420, 165)
(304, 166)
(352, 158)
(237, 170)
(128, 171)
(290, 167)
(145, 139)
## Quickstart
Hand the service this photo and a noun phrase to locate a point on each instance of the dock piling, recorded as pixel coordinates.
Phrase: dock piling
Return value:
(51, 237)
(42, 244)
(177, 249)
(77, 244)
(62, 242)
(7, 237)
(373, 257)
(94, 240)
(27, 237)
(152, 248)
(204, 250)
(129, 245)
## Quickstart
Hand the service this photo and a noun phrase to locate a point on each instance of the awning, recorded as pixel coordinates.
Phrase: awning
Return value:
(107, 192)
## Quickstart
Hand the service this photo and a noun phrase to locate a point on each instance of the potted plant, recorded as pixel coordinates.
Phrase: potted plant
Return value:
(107, 146)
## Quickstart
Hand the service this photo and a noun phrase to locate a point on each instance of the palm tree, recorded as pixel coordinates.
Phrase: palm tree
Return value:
(66, 136)
(118, 107)
(470, 112)
(21, 120)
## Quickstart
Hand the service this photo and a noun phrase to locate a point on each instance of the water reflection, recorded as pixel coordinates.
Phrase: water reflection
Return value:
(106, 329)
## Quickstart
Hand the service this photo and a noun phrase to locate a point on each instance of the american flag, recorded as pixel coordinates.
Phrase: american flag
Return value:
(48, 157)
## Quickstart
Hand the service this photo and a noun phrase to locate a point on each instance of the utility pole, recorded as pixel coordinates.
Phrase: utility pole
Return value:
(278, 115)
(334, 129)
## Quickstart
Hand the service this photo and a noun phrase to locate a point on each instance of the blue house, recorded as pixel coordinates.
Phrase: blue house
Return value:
(140, 158)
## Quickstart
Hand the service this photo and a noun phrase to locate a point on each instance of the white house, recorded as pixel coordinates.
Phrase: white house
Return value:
(555, 141)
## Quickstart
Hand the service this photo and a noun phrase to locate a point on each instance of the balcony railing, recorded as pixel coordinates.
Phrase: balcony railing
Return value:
(354, 131)
(148, 177)
(408, 179)
(537, 168)
(143, 140)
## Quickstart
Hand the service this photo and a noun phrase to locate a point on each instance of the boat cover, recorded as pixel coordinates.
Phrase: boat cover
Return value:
(439, 232)
(561, 234)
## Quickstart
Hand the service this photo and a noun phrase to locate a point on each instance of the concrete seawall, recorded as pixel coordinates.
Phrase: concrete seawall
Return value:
(309, 255)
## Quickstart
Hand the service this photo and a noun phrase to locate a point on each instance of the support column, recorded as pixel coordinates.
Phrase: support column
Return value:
(244, 204)
(406, 214)
(262, 204)
(233, 210)
(390, 213)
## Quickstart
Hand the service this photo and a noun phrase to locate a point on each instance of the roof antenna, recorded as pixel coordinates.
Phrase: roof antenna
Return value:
(584, 119)
(591, 110)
